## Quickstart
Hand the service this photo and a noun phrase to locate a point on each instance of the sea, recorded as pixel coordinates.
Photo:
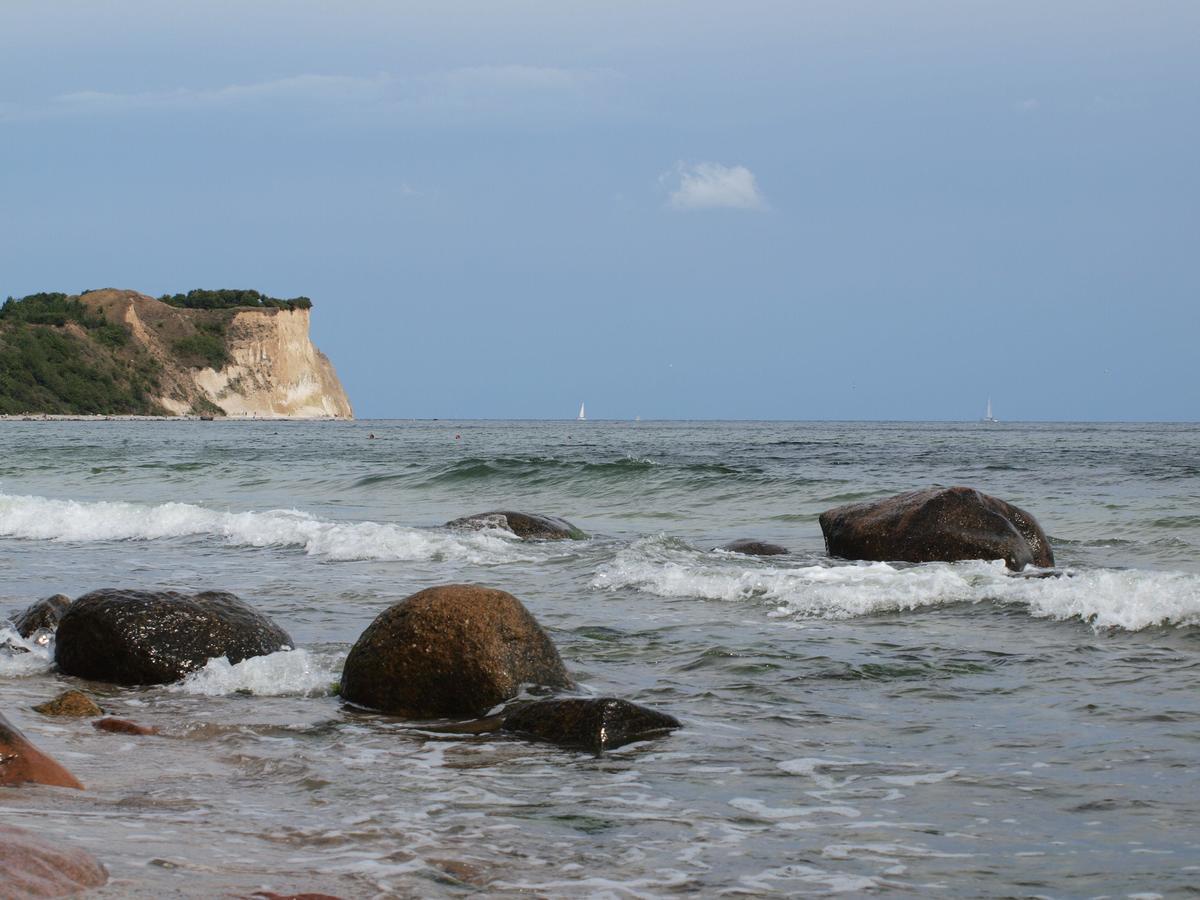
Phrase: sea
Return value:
(849, 728)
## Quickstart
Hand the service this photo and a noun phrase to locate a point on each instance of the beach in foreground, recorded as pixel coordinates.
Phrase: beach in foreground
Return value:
(908, 730)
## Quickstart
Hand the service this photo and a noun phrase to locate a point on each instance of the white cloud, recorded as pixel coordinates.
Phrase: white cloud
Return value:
(479, 89)
(710, 185)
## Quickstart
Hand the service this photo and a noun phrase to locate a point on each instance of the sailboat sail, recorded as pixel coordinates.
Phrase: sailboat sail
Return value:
(582, 415)
(989, 417)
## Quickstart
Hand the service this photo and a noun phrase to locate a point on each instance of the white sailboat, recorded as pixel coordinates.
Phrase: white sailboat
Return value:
(989, 418)
(582, 417)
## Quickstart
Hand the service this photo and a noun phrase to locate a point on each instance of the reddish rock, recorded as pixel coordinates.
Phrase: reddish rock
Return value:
(31, 866)
(458, 649)
(123, 726)
(21, 762)
(936, 525)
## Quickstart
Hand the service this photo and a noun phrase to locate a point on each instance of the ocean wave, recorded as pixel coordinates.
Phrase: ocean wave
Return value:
(287, 673)
(1128, 599)
(20, 656)
(41, 518)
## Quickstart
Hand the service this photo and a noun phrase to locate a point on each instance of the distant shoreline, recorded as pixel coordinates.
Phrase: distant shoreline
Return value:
(57, 417)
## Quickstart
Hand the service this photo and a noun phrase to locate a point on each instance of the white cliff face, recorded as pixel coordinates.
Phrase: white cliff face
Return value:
(276, 371)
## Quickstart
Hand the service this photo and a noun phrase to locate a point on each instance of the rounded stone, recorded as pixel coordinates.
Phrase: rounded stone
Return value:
(526, 526)
(458, 649)
(156, 637)
(936, 525)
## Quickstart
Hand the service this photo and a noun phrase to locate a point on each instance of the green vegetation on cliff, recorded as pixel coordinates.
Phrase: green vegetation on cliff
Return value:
(111, 352)
(229, 299)
(57, 356)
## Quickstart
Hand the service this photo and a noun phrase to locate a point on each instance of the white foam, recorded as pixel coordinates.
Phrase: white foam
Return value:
(30, 657)
(283, 674)
(1106, 598)
(41, 518)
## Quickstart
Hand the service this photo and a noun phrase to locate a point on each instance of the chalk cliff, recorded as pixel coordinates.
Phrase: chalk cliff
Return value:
(269, 367)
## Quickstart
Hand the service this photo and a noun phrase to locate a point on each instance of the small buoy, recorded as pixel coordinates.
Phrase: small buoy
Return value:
(371, 436)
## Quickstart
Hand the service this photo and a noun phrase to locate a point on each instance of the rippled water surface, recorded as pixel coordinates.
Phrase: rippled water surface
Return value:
(910, 730)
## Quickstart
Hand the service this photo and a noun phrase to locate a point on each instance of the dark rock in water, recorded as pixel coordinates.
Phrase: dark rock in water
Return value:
(458, 649)
(592, 724)
(752, 547)
(936, 524)
(43, 614)
(31, 866)
(70, 703)
(523, 525)
(122, 726)
(21, 762)
(154, 637)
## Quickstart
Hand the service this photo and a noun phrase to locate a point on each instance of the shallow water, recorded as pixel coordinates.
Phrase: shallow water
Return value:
(847, 727)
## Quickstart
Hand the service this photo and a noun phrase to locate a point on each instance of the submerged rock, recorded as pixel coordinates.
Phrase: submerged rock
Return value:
(751, 547)
(523, 525)
(936, 525)
(458, 649)
(155, 637)
(21, 762)
(594, 724)
(31, 866)
(70, 703)
(122, 726)
(45, 613)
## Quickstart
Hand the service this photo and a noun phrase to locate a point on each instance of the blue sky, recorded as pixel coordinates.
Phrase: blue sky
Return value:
(842, 210)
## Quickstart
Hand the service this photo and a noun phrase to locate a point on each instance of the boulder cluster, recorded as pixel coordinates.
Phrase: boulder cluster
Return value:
(456, 651)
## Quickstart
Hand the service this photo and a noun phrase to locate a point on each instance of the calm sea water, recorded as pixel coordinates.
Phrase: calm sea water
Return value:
(936, 729)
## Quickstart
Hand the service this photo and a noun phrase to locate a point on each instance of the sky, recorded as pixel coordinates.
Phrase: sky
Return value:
(755, 210)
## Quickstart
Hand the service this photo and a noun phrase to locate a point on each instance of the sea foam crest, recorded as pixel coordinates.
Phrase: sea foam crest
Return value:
(1130, 599)
(21, 656)
(41, 518)
(285, 673)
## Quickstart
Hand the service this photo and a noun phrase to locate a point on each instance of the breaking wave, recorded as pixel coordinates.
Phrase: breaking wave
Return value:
(1129, 599)
(40, 518)
(287, 673)
(20, 656)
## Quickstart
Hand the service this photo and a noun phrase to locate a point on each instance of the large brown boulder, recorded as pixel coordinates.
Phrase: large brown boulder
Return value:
(21, 762)
(43, 614)
(936, 524)
(458, 649)
(595, 724)
(155, 637)
(31, 866)
(524, 525)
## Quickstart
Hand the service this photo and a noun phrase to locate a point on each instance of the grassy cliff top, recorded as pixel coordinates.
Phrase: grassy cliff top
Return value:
(76, 354)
